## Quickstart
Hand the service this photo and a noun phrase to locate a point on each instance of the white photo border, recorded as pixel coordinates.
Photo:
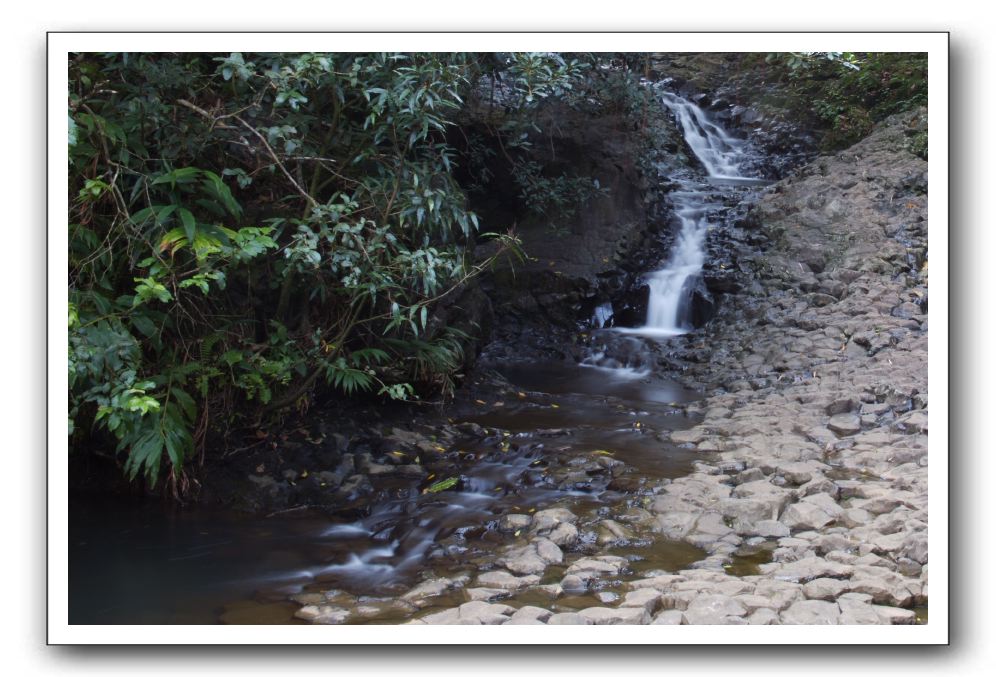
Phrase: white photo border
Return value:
(60, 45)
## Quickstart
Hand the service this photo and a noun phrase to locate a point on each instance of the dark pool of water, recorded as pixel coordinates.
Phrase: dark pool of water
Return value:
(135, 561)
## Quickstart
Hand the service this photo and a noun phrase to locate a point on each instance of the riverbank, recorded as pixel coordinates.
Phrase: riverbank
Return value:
(813, 439)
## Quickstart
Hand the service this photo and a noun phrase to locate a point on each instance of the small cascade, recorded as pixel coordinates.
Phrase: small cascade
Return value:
(721, 155)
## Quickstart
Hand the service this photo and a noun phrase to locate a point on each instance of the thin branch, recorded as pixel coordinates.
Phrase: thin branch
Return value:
(197, 109)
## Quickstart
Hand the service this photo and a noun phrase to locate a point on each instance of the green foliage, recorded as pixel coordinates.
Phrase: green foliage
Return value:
(850, 92)
(248, 229)
(918, 144)
(557, 198)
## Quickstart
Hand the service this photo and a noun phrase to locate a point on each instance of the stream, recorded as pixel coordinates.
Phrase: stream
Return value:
(591, 437)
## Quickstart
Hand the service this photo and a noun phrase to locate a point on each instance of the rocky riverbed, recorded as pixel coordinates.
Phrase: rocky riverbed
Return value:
(805, 501)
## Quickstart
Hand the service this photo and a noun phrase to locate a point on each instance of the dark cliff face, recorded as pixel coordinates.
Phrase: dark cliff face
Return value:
(583, 255)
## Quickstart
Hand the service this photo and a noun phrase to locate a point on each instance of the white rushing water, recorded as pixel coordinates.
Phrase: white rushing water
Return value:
(720, 155)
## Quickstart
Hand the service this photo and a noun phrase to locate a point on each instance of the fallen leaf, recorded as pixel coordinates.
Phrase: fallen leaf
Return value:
(443, 485)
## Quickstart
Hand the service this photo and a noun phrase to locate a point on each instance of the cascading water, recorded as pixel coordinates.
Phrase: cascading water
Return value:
(721, 156)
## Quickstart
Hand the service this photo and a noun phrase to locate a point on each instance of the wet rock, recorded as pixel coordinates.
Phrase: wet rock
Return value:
(323, 614)
(563, 535)
(514, 522)
(420, 595)
(485, 594)
(573, 583)
(550, 518)
(505, 581)
(606, 597)
(523, 561)
(611, 531)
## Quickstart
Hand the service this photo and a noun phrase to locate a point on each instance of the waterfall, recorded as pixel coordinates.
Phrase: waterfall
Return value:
(672, 286)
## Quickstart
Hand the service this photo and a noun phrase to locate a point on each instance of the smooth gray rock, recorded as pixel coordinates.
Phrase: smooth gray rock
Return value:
(619, 616)
(713, 610)
(669, 617)
(568, 618)
(811, 612)
(845, 424)
(505, 581)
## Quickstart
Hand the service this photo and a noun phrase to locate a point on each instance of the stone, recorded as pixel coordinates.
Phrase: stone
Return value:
(804, 515)
(713, 610)
(882, 591)
(663, 583)
(893, 616)
(483, 613)
(322, 614)
(596, 567)
(771, 529)
(811, 612)
(551, 517)
(523, 561)
(548, 551)
(573, 583)
(845, 424)
(807, 569)
(530, 615)
(514, 522)
(505, 581)
(484, 594)
(752, 602)
(645, 598)
(842, 405)
(563, 535)
(669, 617)
(795, 473)
(857, 612)
(421, 593)
(620, 616)
(763, 616)
(568, 618)
(824, 588)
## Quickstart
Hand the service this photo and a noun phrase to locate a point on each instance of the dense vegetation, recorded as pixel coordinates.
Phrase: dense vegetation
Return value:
(849, 92)
(248, 230)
